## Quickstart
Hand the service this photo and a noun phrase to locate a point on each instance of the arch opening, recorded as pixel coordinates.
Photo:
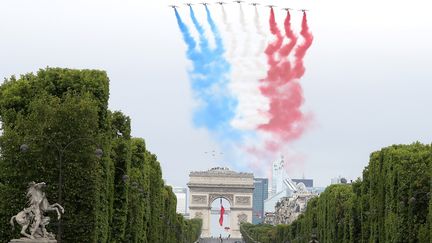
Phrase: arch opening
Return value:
(220, 226)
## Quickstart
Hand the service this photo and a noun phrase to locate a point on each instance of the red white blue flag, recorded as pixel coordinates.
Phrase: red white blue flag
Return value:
(222, 212)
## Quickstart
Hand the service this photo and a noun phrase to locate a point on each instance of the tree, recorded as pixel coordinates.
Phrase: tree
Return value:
(391, 204)
(62, 118)
(121, 157)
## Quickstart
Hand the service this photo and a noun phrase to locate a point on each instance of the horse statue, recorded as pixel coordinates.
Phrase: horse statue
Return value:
(23, 218)
(33, 216)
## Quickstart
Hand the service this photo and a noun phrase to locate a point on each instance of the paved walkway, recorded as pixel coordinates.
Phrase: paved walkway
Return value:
(217, 240)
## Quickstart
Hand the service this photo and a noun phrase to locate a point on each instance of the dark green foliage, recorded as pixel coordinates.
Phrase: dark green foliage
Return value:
(44, 131)
(391, 204)
(121, 157)
(138, 218)
(62, 115)
(156, 198)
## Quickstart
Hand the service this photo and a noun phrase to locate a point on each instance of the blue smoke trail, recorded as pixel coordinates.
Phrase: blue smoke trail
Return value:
(209, 79)
(190, 42)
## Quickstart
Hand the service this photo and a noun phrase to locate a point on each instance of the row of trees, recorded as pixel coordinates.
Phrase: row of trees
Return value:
(392, 203)
(57, 128)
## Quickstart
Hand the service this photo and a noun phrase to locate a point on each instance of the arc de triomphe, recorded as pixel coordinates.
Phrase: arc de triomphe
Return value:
(208, 186)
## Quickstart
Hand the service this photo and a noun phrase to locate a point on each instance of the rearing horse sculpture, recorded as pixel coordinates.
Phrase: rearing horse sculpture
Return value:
(34, 214)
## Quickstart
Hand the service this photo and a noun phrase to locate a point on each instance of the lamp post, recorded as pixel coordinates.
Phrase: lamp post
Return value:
(60, 153)
(125, 177)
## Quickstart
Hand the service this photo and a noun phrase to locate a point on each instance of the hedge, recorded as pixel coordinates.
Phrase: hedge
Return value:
(62, 115)
(392, 203)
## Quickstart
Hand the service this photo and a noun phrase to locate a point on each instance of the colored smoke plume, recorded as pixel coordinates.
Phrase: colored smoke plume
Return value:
(187, 37)
(247, 42)
(246, 72)
(229, 30)
(301, 50)
(208, 78)
(287, 121)
(286, 49)
(260, 32)
(274, 46)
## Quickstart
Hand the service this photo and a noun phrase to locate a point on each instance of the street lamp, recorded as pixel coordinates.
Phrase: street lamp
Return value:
(125, 177)
(61, 150)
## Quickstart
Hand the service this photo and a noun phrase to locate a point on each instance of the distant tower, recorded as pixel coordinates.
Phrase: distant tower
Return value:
(259, 195)
(278, 175)
(182, 196)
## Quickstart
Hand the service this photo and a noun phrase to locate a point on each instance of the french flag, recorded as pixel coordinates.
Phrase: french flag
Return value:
(222, 211)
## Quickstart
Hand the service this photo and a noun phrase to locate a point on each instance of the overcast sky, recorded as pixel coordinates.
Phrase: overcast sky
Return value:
(367, 83)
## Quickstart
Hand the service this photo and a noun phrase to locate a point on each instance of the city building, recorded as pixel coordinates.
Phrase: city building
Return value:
(289, 209)
(307, 182)
(182, 195)
(339, 180)
(270, 203)
(278, 175)
(281, 185)
(269, 218)
(259, 195)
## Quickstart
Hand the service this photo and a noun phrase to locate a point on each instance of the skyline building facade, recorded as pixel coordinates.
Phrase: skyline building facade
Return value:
(307, 182)
(282, 186)
(259, 195)
(182, 196)
(339, 180)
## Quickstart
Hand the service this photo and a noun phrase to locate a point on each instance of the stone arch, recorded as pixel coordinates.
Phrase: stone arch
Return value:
(228, 197)
(236, 188)
(242, 218)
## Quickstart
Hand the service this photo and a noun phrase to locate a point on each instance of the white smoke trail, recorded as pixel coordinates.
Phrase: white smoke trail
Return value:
(228, 28)
(247, 43)
(245, 82)
(261, 33)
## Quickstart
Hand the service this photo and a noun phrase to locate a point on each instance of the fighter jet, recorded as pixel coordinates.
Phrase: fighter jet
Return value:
(221, 3)
(173, 6)
(189, 4)
(254, 4)
(303, 10)
(238, 1)
(271, 6)
(204, 3)
(287, 9)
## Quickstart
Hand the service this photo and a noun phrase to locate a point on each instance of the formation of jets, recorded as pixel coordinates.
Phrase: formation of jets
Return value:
(239, 2)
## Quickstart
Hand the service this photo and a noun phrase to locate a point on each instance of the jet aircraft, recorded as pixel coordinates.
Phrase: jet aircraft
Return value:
(204, 3)
(238, 1)
(271, 6)
(254, 4)
(303, 10)
(173, 6)
(189, 4)
(287, 9)
(221, 3)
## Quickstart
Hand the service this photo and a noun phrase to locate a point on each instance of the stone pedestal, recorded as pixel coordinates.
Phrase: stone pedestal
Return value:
(27, 240)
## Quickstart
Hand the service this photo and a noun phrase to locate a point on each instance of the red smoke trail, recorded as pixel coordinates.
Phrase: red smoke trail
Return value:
(268, 87)
(301, 50)
(287, 122)
(286, 50)
(273, 47)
